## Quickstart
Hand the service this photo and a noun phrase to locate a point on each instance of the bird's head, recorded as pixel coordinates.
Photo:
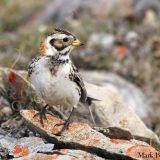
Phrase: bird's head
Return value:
(59, 43)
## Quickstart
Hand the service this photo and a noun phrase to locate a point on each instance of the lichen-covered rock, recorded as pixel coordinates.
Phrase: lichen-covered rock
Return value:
(24, 146)
(34, 148)
(82, 136)
(110, 111)
(62, 154)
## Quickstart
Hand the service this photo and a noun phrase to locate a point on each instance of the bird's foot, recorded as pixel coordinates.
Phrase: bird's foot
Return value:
(42, 114)
(65, 126)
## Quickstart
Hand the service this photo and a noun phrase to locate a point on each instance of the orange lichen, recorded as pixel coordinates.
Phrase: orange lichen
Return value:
(119, 141)
(51, 157)
(56, 130)
(11, 77)
(64, 150)
(37, 157)
(32, 112)
(42, 48)
(84, 137)
(96, 140)
(75, 127)
(122, 50)
(133, 147)
(54, 119)
(73, 158)
(127, 2)
(49, 124)
(89, 139)
(142, 151)
(21, 151)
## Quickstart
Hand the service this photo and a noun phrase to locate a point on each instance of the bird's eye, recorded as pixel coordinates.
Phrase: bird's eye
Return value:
(52, 41)
(65, 39)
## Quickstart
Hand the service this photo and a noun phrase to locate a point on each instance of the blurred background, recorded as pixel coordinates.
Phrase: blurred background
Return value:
(122, 43)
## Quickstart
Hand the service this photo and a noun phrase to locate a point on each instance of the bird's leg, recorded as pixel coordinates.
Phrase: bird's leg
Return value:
(67, 122)
(42, 114)
(92, 117)
(88, 105)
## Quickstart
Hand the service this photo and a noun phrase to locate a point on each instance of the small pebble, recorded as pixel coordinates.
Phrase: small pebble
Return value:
(6, 110)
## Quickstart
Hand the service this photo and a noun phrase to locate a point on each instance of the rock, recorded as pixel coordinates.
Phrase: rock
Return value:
(24, 146)
(62, 154)
(6, 111)
(3, 102)
(103, 40)
(18, 90)
(13, 80)
(115, 133)
(99, 10)
(141, 6)
(112, 110)
(33, 147)
(131, 94)
(82, 136)
(132, 39)
(150, 18)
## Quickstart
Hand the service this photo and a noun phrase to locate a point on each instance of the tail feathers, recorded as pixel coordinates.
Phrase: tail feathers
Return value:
(90, 100)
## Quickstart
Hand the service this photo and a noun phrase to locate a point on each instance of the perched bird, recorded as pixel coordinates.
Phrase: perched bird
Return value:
(54, 76)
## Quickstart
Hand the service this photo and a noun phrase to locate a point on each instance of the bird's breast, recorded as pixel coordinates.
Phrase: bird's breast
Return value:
(55, 87)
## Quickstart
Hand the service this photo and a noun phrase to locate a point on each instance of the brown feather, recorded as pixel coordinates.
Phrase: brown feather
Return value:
(42, 48)
(75, 76)
(60, 30)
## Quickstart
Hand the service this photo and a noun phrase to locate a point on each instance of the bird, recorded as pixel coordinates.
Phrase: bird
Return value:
(54, 76)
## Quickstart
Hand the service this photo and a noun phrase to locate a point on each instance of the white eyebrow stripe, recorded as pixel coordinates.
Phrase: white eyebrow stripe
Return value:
(59, 36)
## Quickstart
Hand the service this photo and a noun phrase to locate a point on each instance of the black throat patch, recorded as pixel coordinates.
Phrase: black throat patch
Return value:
(55, 62)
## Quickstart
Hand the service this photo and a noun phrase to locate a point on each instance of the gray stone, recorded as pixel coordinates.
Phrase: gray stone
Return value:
(131, 95)
(22, 146)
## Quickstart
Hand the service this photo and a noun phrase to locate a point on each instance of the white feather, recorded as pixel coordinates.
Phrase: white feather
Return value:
(55, 89)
